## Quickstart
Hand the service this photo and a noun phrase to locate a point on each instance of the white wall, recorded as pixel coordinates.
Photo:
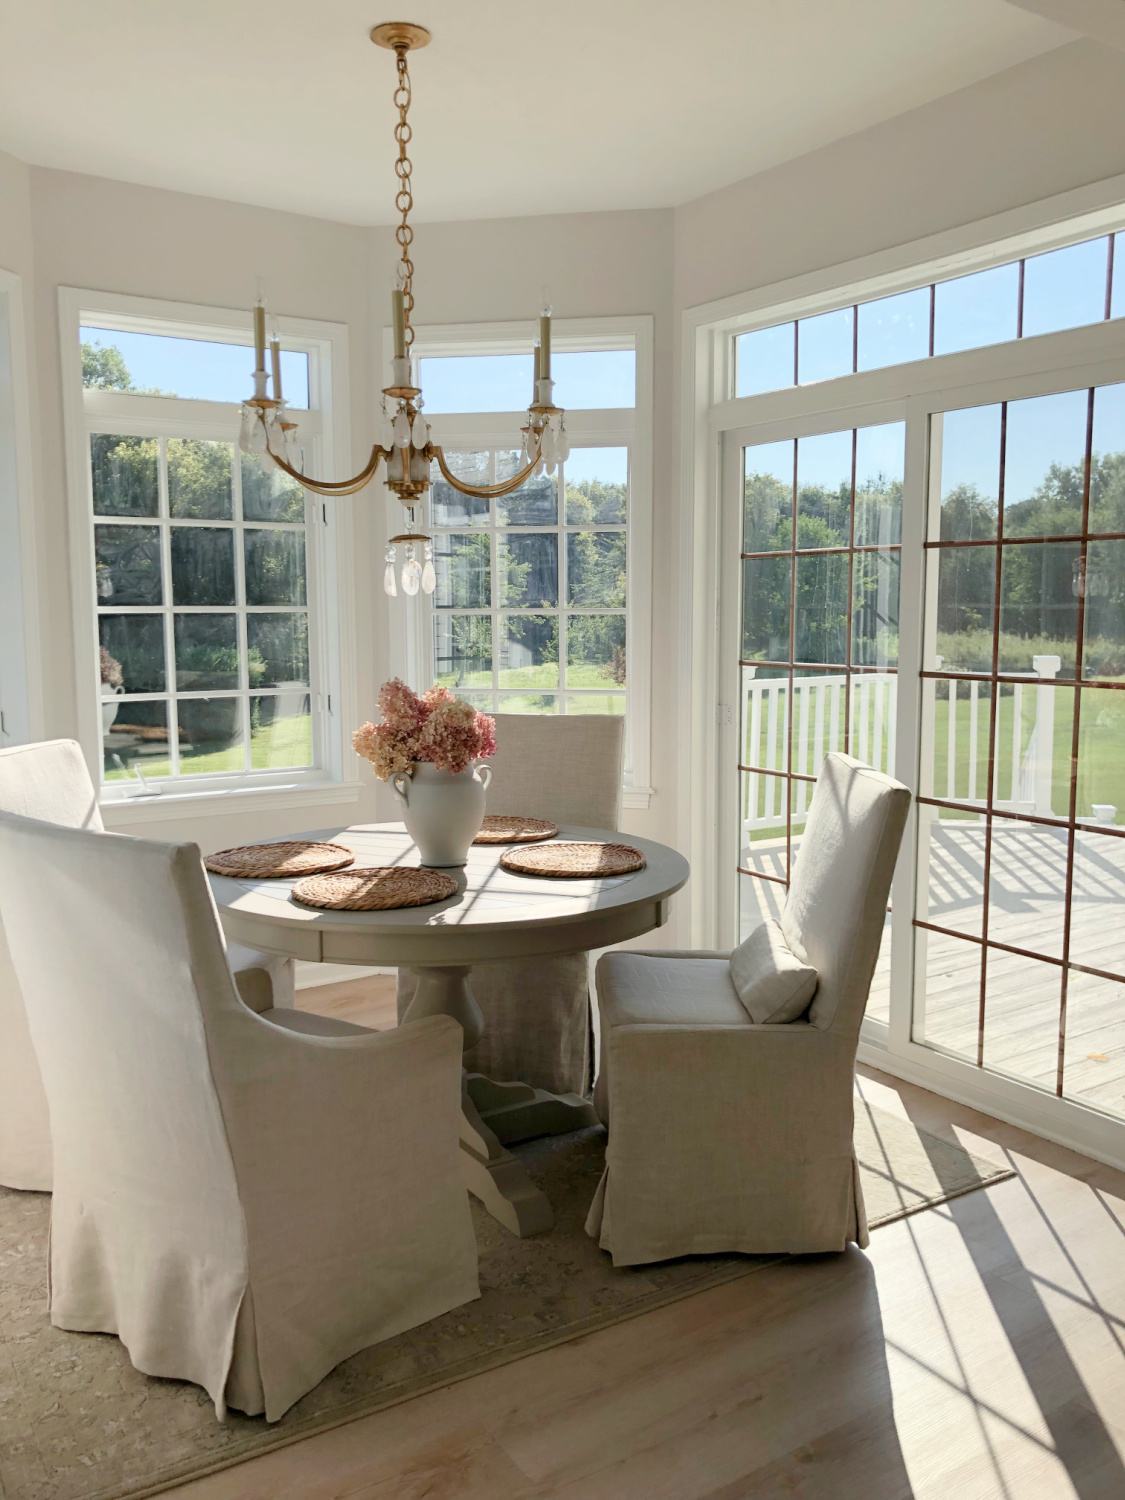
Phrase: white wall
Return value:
(1053, 123)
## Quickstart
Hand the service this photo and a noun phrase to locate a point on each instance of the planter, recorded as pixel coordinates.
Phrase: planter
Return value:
(442, 812)
(110, 705)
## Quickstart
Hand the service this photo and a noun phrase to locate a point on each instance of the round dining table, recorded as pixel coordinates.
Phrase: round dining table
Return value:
(494, 914)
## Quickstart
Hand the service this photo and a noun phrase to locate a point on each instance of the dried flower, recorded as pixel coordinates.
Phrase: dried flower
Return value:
(400, 706)
(112, 674)
(438, 728)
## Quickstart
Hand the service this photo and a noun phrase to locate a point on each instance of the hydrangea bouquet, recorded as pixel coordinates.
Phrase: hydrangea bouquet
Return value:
(438, 728)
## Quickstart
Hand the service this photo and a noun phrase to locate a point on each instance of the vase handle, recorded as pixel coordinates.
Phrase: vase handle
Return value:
(400, 781)
(484, 776)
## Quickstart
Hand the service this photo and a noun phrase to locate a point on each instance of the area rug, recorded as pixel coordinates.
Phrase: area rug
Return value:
(77, 1422)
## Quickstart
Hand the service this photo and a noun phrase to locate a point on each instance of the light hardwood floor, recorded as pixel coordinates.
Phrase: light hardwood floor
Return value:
(975, 1352)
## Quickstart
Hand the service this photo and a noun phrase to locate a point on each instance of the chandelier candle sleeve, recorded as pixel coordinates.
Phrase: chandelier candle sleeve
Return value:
(398, 322)
(275, 360)
(545, 346)
(259, 338)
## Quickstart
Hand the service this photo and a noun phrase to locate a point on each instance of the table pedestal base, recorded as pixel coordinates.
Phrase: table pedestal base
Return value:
(495, 1115)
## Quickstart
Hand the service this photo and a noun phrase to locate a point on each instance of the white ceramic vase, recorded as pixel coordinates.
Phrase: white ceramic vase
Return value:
(442, 811)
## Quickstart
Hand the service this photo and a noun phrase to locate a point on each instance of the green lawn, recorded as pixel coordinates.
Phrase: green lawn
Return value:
(282, 744)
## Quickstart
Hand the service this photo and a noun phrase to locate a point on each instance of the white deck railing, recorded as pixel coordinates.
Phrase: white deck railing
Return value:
(818, 717)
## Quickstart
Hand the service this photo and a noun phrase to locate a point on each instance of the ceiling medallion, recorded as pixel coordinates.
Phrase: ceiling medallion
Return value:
(404, 440)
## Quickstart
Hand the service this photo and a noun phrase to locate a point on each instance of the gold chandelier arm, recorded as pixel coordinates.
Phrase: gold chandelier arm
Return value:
(341, 487)
(483, 491)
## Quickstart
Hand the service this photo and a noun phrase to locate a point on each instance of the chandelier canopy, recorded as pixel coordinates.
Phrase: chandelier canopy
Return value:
(403, 440)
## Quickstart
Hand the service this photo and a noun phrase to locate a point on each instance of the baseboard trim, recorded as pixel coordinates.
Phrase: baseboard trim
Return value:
(1033, 1118)
(310, 975)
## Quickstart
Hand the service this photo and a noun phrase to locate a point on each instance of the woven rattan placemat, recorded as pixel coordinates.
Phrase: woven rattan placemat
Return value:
(284, 861)
(500, 828)
(574, 861)
(381, 888)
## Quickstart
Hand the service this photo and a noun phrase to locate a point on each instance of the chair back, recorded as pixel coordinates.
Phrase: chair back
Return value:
(838, 890)
(565, 767)
(117, 948)
(48, 781)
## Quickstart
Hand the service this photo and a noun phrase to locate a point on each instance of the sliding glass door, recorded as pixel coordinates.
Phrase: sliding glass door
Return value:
(1020, 909)
(938, 588)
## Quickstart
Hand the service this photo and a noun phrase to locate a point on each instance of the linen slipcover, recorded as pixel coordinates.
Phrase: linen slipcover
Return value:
(537, 1011)
(244, 1203)
(50, 781)
(726, 1135)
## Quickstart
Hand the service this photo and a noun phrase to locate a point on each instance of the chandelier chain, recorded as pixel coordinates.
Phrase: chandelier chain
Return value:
(404, 199)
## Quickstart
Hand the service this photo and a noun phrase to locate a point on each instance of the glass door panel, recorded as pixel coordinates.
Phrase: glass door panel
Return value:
(821, 538)
(1020, 915)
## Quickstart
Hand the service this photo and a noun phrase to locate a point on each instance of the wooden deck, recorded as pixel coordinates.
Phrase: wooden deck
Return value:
(1026, 910)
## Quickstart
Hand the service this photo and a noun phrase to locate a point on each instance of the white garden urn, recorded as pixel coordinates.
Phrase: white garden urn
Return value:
(442, 810)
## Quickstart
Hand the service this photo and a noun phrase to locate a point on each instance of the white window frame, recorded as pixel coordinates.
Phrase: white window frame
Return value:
(411, 619)
(324, 429)
(21, 681)
(716, 425)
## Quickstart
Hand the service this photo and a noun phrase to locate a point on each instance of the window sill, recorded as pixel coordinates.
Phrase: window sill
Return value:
(634, 797)
(120, 813)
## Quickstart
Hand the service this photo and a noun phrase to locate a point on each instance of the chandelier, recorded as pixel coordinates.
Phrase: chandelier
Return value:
(403, 438)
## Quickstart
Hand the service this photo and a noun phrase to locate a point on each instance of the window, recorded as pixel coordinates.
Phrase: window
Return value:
(1058, 289)
(529, 609)
(207, 581)
(542, 597)
(203, 621)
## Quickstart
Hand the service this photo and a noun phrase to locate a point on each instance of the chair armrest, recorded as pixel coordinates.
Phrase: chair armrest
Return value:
(322, 1119)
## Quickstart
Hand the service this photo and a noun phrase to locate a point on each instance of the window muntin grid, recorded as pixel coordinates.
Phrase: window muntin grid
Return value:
(821, 539)
(1065, 288)
(202, 604)
(529, 612)
(1022, 791)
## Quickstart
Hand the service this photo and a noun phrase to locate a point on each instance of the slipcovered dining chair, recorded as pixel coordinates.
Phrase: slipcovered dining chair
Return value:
(244, 1199)
(50, 781)
(727, 1079)
(537, 1011)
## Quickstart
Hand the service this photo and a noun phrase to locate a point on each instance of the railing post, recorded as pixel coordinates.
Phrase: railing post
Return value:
(1047, 668)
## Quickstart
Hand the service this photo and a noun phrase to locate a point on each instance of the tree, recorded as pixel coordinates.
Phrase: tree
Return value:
(104, 369)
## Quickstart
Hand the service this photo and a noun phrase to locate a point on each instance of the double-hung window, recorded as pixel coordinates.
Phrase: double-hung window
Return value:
(541, 604)
(204, 581)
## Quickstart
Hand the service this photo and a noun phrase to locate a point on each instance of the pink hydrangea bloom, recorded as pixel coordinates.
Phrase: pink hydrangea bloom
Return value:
(438, 728)
(401, 707)
(486, 728)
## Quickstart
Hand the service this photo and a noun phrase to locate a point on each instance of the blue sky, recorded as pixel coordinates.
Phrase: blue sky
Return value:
(502, 382)
(1062, 289)
(197, 370)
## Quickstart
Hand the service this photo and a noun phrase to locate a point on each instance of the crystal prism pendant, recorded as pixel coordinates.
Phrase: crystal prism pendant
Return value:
(389, 585)
(429, 577)
(411, 571)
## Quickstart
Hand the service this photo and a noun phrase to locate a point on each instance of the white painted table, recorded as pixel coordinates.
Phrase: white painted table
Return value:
(494, 915)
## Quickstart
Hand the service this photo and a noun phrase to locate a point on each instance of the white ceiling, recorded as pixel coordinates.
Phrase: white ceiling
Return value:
(518, 108)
